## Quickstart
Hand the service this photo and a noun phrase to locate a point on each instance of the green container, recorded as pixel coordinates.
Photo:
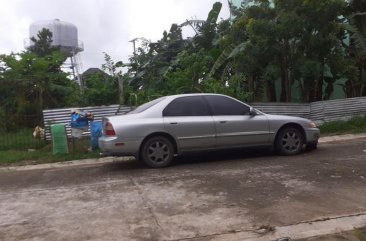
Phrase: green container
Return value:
(59, 139)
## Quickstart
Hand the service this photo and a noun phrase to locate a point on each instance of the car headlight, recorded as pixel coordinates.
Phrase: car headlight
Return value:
(312, 125)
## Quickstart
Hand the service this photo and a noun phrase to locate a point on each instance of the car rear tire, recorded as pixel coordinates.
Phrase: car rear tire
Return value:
(157, 152)
(289, 141)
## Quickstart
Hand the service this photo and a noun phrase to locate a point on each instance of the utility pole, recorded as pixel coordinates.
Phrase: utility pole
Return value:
(133, 41)
(120, 89)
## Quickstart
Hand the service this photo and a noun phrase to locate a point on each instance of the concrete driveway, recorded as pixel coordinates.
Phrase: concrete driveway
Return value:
(220, 196)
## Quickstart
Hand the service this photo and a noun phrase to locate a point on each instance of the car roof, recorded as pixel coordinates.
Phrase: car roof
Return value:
(151, 111)
(193, 94)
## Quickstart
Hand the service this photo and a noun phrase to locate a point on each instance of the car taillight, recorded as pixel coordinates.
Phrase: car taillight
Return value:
(109, 130)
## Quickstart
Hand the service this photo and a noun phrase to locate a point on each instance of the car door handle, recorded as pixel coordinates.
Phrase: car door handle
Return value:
(173, 123)
(223, 122)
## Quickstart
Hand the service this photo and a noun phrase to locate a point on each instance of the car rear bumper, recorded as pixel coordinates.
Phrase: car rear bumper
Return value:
(116, 147)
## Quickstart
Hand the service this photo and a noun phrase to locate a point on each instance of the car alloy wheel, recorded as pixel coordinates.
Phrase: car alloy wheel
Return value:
(157, 152)
(289, 141)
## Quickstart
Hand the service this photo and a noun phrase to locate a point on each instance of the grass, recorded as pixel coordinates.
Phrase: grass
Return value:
(20, 140)
(41, 156)
(353, 126)
(44, 154)
(360, 233)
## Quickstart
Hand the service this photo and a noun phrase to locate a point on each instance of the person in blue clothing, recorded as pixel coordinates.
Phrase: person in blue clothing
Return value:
(78, 119)
(78, 123)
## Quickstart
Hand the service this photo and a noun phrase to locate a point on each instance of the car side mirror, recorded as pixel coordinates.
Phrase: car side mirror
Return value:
(252, 112)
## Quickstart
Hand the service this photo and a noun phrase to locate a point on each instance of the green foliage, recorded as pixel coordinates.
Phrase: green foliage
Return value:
(355, 125)
(2, 121)
(42, 44)
(235, 87)
(32, 80)
(190, 70)
(208, 31)
(272, 47)
(173, 65)
(229, 52)
(101, 89)
(358, 38)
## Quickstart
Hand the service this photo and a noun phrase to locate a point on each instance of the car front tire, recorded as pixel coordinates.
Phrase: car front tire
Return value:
(289, 141)
(157, 152)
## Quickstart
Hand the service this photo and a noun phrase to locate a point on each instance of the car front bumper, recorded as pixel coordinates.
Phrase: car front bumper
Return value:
(312, 136)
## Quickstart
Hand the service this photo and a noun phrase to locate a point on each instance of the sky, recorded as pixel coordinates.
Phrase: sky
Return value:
(103, 25)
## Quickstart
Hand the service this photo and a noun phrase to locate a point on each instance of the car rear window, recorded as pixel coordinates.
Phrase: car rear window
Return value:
(146, 106)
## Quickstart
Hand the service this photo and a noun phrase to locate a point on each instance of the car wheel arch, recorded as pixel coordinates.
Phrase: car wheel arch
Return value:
(293, 125)
(162, 134)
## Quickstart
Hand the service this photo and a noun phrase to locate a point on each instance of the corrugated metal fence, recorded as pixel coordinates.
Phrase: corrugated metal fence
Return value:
(333, 110)
(294, 109)
(321, 111)
(62, 116)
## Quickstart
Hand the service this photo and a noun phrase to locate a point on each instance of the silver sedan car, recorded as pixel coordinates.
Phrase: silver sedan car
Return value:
(158, 130)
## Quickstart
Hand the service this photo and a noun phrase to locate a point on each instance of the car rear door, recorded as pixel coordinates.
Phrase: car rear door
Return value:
(188, 119)
(235, 126)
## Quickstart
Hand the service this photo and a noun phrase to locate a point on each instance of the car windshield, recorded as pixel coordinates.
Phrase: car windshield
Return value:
(146, 106)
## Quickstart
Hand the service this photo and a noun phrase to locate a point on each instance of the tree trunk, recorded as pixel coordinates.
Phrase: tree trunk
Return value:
(319, 83)
(302, 91)
(350, 88)
(251, 87)
(285, 83)
(271, 91)
(120, 90)
(40, 103)
(283, 96)
(363, 79)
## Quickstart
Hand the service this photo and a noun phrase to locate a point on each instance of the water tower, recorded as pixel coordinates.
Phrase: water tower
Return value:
(65, 36)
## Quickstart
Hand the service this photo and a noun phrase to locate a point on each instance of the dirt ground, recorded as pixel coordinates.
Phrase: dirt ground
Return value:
(202, 197)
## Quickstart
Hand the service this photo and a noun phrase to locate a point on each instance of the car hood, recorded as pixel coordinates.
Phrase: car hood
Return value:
(287, 118)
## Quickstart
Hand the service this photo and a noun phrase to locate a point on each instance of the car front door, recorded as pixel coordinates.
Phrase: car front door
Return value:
(188, 119)
(235, 126)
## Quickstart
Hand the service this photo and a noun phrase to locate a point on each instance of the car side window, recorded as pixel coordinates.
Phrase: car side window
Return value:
(222, 105)
(187, 106)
